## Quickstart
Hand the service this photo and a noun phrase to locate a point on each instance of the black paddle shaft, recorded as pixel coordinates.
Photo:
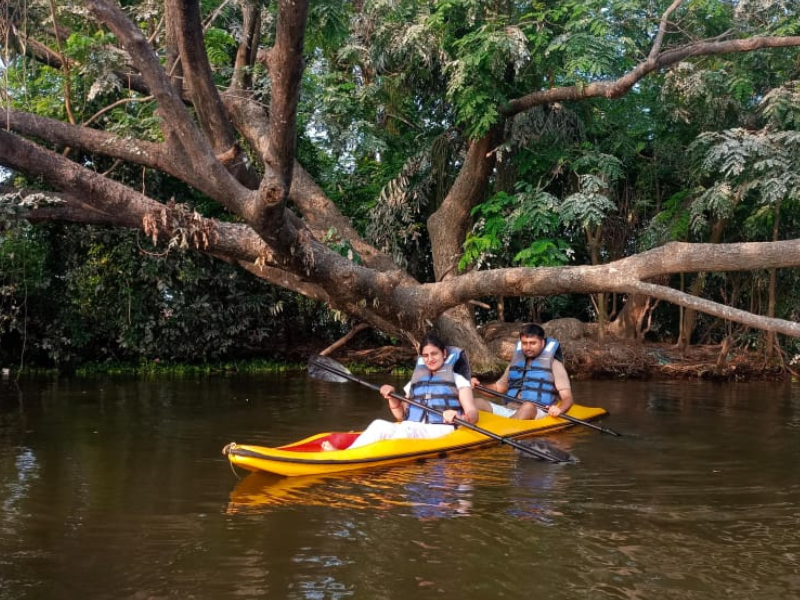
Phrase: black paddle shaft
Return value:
(564, 416)
(463, 423)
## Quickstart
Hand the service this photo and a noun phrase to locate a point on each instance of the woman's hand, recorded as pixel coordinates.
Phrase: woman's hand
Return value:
(395, 405)
(554, 410)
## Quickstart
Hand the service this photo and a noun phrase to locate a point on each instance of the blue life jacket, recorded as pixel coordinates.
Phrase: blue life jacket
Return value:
(534, 382)
(437, 390)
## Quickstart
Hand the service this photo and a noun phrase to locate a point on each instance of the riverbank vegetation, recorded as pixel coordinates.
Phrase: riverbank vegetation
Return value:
(228, 183)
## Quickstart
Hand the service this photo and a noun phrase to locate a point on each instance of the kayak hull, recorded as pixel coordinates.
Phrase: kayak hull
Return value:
(306, 457)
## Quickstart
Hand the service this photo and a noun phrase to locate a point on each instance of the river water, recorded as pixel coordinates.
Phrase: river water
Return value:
(116, 488)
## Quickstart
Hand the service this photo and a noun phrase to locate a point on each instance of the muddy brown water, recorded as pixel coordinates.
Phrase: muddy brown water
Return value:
(116, 488)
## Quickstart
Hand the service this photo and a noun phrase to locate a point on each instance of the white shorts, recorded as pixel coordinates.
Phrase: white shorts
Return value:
(508, 412)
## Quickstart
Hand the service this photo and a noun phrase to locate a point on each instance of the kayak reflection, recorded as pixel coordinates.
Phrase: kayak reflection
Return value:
(428, 490)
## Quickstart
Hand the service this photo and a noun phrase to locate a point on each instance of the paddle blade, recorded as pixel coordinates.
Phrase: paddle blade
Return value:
(327, 369)
(548, 452)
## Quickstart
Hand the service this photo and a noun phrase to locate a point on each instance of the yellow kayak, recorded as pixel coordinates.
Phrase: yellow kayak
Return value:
(306, 457)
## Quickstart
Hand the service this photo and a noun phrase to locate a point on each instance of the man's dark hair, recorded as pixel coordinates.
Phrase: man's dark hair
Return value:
(531, 329)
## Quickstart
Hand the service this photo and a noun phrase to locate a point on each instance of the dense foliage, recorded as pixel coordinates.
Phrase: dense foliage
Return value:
(105, 297)
(393, 92)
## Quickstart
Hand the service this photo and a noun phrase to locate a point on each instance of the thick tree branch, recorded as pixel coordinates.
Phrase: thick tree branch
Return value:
(96, 190)
(286, 64)
(43, 54)
(198, 77)
(126, 207)
(180, 130)
(247, 50)
(176, 123)
(185, 25)
(233, 242)
(92, 195)
(662, 29)
(58, 133)
(448, 225)
(286, 280)
(621, 86)
(715, 309)
(628, 275)
(319, 212)
(84, 138)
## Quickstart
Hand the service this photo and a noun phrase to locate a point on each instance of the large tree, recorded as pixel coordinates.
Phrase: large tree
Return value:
(229, 131)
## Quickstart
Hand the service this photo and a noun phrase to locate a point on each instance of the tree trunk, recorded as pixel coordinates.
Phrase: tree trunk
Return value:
(458, 329)
(690, 315)
(594, 239)
(773, 287)
(448, 227)
(628, 324)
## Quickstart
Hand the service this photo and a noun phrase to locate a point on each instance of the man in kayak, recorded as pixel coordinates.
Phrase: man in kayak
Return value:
(435, 384)
(535, 373)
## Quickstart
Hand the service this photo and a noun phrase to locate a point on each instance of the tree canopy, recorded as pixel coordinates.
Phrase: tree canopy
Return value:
(401, 161)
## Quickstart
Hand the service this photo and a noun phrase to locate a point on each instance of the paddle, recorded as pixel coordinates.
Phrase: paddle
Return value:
(327, 369)
(544, 407)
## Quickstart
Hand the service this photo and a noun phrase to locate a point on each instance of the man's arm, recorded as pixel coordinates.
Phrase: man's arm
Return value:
(501, 385)
(561, 381)
(498, 386)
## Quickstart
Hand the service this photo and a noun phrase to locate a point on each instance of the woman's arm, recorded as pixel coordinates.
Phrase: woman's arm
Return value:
(397, 407)
(468, 405)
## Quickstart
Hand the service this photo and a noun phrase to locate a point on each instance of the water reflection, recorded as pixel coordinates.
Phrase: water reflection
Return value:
(15, 488)
(504, 481)
(432, 489)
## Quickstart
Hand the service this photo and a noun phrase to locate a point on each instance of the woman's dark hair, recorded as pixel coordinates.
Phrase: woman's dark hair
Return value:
(431, 339)
(532, 329)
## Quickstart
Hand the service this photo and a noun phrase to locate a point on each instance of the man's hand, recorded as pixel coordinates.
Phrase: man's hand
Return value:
(449, 415)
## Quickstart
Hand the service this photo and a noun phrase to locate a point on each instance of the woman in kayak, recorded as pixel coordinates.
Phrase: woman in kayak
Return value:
(434, 384)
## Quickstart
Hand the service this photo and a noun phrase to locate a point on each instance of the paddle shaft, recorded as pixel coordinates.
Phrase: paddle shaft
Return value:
(544, 407)
(462, 422)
